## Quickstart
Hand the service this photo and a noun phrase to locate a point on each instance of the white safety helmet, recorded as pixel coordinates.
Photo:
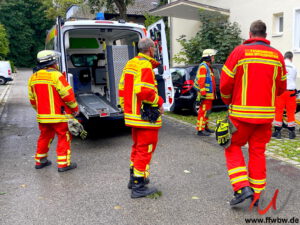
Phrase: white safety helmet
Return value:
(209, 52)
(47, 57)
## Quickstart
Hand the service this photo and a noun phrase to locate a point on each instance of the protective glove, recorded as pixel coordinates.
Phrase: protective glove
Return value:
(223, 131)
(200, 98)
(149, 112)
(76, 128)
(83, 134)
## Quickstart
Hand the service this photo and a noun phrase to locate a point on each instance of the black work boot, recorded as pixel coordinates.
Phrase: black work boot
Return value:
(70, 167)
(147, 180)
(44, 162)
(203, 133)
(292, 133)
(139, 188)
(208, 130)
(241, 195)
(130, 178)
(277, 132)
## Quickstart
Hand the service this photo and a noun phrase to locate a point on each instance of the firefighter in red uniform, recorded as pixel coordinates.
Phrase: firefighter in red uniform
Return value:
(253, 75)
(54, 101)
(287, 100)
(205, 85)
(137, 88)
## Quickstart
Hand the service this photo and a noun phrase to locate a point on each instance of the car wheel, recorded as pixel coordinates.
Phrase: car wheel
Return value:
(2, 81)
(175, 109)
(195, 108)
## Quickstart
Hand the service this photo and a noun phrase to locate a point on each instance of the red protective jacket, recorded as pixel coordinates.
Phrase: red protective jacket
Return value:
(253, 75)
(137, 85)
(50, 93)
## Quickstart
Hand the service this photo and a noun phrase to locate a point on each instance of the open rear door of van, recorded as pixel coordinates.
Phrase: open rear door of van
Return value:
(157, 33)
(59, 46)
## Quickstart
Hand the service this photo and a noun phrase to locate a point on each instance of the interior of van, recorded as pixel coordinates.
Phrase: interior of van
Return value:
(96, 58)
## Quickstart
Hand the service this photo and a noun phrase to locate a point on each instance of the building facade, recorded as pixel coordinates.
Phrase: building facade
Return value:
(281, 17)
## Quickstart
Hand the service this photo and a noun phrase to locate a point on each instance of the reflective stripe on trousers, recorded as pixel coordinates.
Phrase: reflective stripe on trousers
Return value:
(257, 136)
(63, 149)
(144, 144)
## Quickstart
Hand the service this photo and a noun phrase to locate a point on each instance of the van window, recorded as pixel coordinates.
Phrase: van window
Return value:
(86, 60)
(50, 44)
(50, 40)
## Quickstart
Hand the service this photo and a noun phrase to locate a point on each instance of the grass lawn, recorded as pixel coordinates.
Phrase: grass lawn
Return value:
(283, 147)
(187, 116)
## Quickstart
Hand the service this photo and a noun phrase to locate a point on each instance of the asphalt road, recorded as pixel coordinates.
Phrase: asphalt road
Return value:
(96, 192)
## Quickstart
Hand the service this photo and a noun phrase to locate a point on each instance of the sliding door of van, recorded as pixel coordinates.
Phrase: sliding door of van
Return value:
(157, 33)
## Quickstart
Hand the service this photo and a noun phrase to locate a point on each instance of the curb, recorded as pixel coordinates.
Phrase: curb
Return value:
(269, 154)
(179, 121)
(4, 95)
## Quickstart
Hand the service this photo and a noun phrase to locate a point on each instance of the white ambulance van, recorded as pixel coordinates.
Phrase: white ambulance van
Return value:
(5, 72)
(93, 55)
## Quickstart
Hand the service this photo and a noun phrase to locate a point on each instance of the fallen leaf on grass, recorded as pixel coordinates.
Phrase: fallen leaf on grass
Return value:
(117, 207)
(155, 195)
(195, 198)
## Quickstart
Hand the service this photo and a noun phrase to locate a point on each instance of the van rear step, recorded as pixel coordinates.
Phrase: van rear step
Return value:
(95, 106)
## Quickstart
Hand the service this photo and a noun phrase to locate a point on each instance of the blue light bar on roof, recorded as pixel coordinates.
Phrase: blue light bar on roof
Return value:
(100, 16)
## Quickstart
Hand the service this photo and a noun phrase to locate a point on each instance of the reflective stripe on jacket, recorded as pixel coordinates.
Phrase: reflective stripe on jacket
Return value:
(205, 81)
(137, 85)
(253, 75)
(51, 96)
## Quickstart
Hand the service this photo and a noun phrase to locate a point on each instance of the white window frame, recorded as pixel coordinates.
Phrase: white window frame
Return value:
(296, 31)
(276, 24)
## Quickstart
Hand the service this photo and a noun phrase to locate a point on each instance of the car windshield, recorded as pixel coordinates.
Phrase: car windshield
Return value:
(177, 74)
(191, 71)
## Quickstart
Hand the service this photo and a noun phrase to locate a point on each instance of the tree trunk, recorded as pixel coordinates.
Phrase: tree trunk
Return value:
(122, 8)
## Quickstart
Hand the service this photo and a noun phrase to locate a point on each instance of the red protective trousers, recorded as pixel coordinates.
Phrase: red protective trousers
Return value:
(63, 149)
(257, 136)
(144, 144)
(288, 102)
(202, 120)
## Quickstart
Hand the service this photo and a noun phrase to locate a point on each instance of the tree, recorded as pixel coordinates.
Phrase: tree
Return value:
(149, 19)
(98, 5)
(26, 27)
(59, 7)
(216, 32)
(4, 43)
(55, 8)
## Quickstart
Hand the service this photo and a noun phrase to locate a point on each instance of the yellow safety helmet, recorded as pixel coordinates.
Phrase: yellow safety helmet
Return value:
(47, 57)
(209, 52)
